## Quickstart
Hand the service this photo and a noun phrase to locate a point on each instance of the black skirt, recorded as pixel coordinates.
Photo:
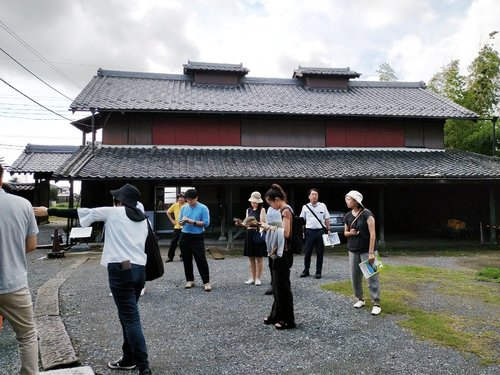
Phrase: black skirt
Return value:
(253, 248)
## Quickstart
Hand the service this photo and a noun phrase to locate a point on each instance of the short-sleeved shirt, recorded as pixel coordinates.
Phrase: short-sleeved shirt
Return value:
(321, 212)
(17, 222)
(176, 210)
(197, 213)
(125, 239)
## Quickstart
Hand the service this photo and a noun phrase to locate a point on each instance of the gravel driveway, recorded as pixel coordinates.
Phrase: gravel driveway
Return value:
(194, 332)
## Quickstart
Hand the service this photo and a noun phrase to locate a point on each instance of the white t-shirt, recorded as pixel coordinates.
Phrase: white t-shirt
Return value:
(17, 222)
(124, 238)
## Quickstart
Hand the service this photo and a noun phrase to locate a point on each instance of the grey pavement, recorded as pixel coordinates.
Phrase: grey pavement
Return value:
(194, 332)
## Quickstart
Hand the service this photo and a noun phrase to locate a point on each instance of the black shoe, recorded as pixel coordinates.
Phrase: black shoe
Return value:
(304, 273)
(318, 275)
(146, 371)
(121, 365)
(269, 292)
(168, 260)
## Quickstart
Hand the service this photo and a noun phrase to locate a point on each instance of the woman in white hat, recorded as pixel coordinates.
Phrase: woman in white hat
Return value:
(359, 229)
(255, 243)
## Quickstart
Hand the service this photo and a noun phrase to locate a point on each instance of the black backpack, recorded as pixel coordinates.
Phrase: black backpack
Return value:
(296, 240)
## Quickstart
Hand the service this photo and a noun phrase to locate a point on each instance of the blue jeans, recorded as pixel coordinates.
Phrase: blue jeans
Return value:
(126, 286)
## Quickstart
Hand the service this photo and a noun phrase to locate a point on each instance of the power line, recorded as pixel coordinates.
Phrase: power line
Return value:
(41, 105)
(37, 54)
(34, 75)
(31, 118)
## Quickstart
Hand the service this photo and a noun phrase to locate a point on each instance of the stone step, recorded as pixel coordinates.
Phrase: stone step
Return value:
(70, 371)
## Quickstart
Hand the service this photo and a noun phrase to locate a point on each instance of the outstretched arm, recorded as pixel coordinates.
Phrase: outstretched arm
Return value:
(60, 212)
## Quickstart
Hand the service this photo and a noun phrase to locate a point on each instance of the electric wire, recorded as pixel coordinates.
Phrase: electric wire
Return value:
(34, 75)
(41, 105)
(37, 54)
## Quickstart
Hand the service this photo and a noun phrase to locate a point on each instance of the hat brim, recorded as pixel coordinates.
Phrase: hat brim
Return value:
(255, 200)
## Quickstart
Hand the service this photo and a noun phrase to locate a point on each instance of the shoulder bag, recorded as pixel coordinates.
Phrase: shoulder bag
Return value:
(317, 218)
(154, 264)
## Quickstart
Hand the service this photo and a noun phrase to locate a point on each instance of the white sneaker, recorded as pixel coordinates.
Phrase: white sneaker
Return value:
(189, 285)
(359, 304)
(376, 310)
(257, 282)
(249, 281)
(207, 287)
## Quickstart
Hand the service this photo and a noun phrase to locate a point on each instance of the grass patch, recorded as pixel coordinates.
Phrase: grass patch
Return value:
(466, 316)
(489, 274)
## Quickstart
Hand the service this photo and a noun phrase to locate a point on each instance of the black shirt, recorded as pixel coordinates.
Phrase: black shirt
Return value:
(361, 242)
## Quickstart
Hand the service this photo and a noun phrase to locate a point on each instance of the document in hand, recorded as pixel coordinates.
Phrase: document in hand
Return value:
(331, 239)
(371, 269)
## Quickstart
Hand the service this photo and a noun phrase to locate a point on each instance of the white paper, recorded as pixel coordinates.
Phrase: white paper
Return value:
(371, 269)
(78, 232)
(331, 239)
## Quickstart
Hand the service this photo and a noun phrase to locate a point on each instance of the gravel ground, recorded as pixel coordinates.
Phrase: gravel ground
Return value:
(194, 332)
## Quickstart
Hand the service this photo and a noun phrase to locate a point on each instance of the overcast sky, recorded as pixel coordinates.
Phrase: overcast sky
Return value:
(270, 37)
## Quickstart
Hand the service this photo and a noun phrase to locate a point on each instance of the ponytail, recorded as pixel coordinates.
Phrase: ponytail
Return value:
(276, 192)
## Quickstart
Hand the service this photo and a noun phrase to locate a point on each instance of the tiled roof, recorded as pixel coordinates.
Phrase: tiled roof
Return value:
(338, 72)
(194, 66)
(42, 158)
(128, 91)
(241, 163)
(16, 186)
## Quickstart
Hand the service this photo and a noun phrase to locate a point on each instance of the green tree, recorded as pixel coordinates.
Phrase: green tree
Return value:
(449, 82)
(386, 73)
(479, 92)
(53, 194)
(483, 83)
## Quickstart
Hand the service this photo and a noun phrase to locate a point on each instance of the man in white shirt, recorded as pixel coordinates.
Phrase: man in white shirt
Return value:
(317, 219)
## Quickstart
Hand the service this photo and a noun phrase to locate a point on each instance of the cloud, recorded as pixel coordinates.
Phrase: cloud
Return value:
(270, 37)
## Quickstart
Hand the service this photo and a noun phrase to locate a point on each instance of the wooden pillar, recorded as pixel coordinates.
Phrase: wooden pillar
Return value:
(380, 218)
(92, 111)
(223, 213)
(229, 194)
(71, 205)
(493, 216)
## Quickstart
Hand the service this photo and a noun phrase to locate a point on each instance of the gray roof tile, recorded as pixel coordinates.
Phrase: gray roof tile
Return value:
(337, 72)
(42, 158)
(240, 163)
(193, 66)
(128, 91)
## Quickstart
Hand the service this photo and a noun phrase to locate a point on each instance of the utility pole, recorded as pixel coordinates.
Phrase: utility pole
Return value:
(494, 122)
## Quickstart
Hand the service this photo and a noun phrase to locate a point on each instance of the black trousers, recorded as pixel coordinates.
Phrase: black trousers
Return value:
(173, 244)
(314, 238)
(282, 309)
(193, 246)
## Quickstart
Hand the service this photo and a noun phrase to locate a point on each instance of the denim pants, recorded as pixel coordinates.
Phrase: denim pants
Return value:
(17, 308)
(126, 286)
(193, 246)
(314, 238)
(357, 277)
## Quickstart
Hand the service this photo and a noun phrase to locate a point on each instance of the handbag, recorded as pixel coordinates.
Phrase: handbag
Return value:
(154, 264)
(258, 236)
